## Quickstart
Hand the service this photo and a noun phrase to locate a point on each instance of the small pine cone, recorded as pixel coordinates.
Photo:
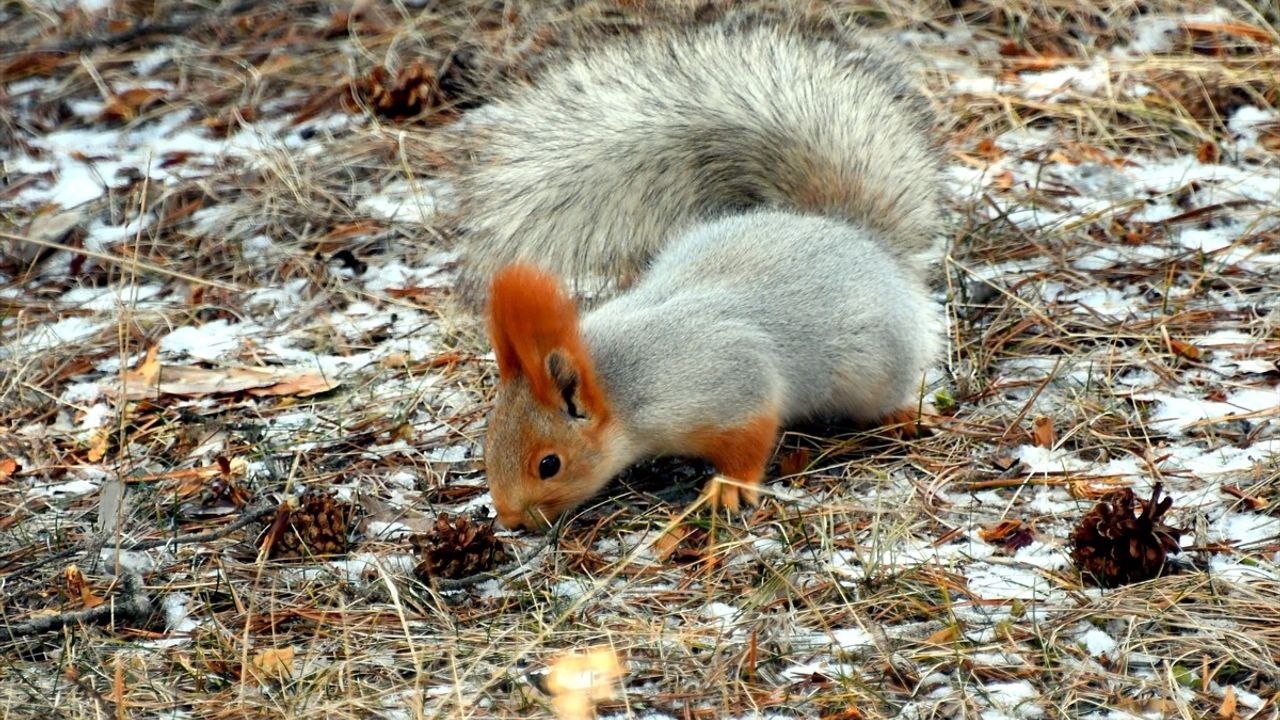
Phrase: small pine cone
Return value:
(413, 90)
(314, 524)
(1112, 546)
(457, 547)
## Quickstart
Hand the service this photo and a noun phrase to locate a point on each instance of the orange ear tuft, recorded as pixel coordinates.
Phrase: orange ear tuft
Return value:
(530, 316)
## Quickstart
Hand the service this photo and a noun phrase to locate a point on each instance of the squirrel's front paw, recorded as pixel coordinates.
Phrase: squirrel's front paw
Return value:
(909, 422)
(731, 493)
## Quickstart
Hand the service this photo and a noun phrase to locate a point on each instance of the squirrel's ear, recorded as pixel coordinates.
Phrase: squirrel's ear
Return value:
(568, 382)
(531, 320)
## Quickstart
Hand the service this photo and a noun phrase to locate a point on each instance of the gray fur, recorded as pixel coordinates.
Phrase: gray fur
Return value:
(614, 152)
(804, 314)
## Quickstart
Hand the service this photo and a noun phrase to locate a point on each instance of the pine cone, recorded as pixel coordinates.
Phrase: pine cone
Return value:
(412, 91)
(314, 524)
(457, 547)
(1112, 546)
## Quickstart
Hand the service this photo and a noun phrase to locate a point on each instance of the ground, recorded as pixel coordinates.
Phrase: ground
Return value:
(225, 279)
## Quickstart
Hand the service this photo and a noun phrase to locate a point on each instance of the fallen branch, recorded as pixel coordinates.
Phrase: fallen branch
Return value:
(250, 515)
(96, 545)
(129, 605)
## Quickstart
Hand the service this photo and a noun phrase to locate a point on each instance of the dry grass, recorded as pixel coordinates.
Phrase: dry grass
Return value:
(860, 589)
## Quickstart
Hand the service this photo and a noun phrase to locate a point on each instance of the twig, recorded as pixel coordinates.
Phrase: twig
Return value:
(141, 30)
(96, 545)
(133, 262)
(130, 605)
(248, 516)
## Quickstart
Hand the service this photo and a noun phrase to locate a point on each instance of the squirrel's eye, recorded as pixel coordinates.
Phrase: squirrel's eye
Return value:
(549, 466)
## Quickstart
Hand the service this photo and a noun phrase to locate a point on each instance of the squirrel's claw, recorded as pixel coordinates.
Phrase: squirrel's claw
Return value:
(731, 493)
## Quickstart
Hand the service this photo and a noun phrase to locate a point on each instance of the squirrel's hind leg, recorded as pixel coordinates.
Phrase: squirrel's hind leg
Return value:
(740, 456)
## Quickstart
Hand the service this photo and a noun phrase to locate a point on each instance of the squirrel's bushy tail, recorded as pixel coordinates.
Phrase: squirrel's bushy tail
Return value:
(591, 170)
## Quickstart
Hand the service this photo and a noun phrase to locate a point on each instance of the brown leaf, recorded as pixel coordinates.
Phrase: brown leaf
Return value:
(1011, 534)
(1227, 710)
(1252, 32)
(1254, 503)
(1208, 153)
(1182, 348)
(665, 545)
(8, 466)
(100, 442)
(125, 106)
(272, 664)
(152, 380)
(1057, 156)
(305, 384)
(117, 688)
(945, 636)
(32, 63)
(1042, 434)
(988, 149)
(78, 587)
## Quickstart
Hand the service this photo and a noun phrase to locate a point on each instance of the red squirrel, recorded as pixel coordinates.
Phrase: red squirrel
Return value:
(772, 193)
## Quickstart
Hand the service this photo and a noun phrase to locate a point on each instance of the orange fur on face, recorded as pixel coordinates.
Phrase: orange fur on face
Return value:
(530, 316)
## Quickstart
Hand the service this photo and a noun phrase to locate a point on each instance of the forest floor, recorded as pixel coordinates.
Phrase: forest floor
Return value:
(225, 263)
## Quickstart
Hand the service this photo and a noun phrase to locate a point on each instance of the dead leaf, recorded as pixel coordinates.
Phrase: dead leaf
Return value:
(99, 443)
(126, 105)
(153, 380)
(1057, 156)
(1227, 710)
(8, 466)
(945, 636)
(988, 149)
(304, 384)
(1009, 534)
(395, 360)
(1254, 503)
(1042, 434)
(149, 369)
(577, 681)
(1004, 461)
(426, 296)
(51, 225)
(1087, 491)
(665, 545)
(1208, 153)
(32, 63)
(1182, 348)
(1252, 32)
(117, 688)
(78, 587)
(273, 664)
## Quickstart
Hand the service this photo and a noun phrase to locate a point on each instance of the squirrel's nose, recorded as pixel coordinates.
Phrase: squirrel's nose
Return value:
(512, 520)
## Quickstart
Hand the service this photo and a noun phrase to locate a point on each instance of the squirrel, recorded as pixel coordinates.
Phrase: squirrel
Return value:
(773, 195)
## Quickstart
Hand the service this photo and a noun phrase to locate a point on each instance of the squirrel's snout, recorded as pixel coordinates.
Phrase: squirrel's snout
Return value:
(515, 519)
(511, 521)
